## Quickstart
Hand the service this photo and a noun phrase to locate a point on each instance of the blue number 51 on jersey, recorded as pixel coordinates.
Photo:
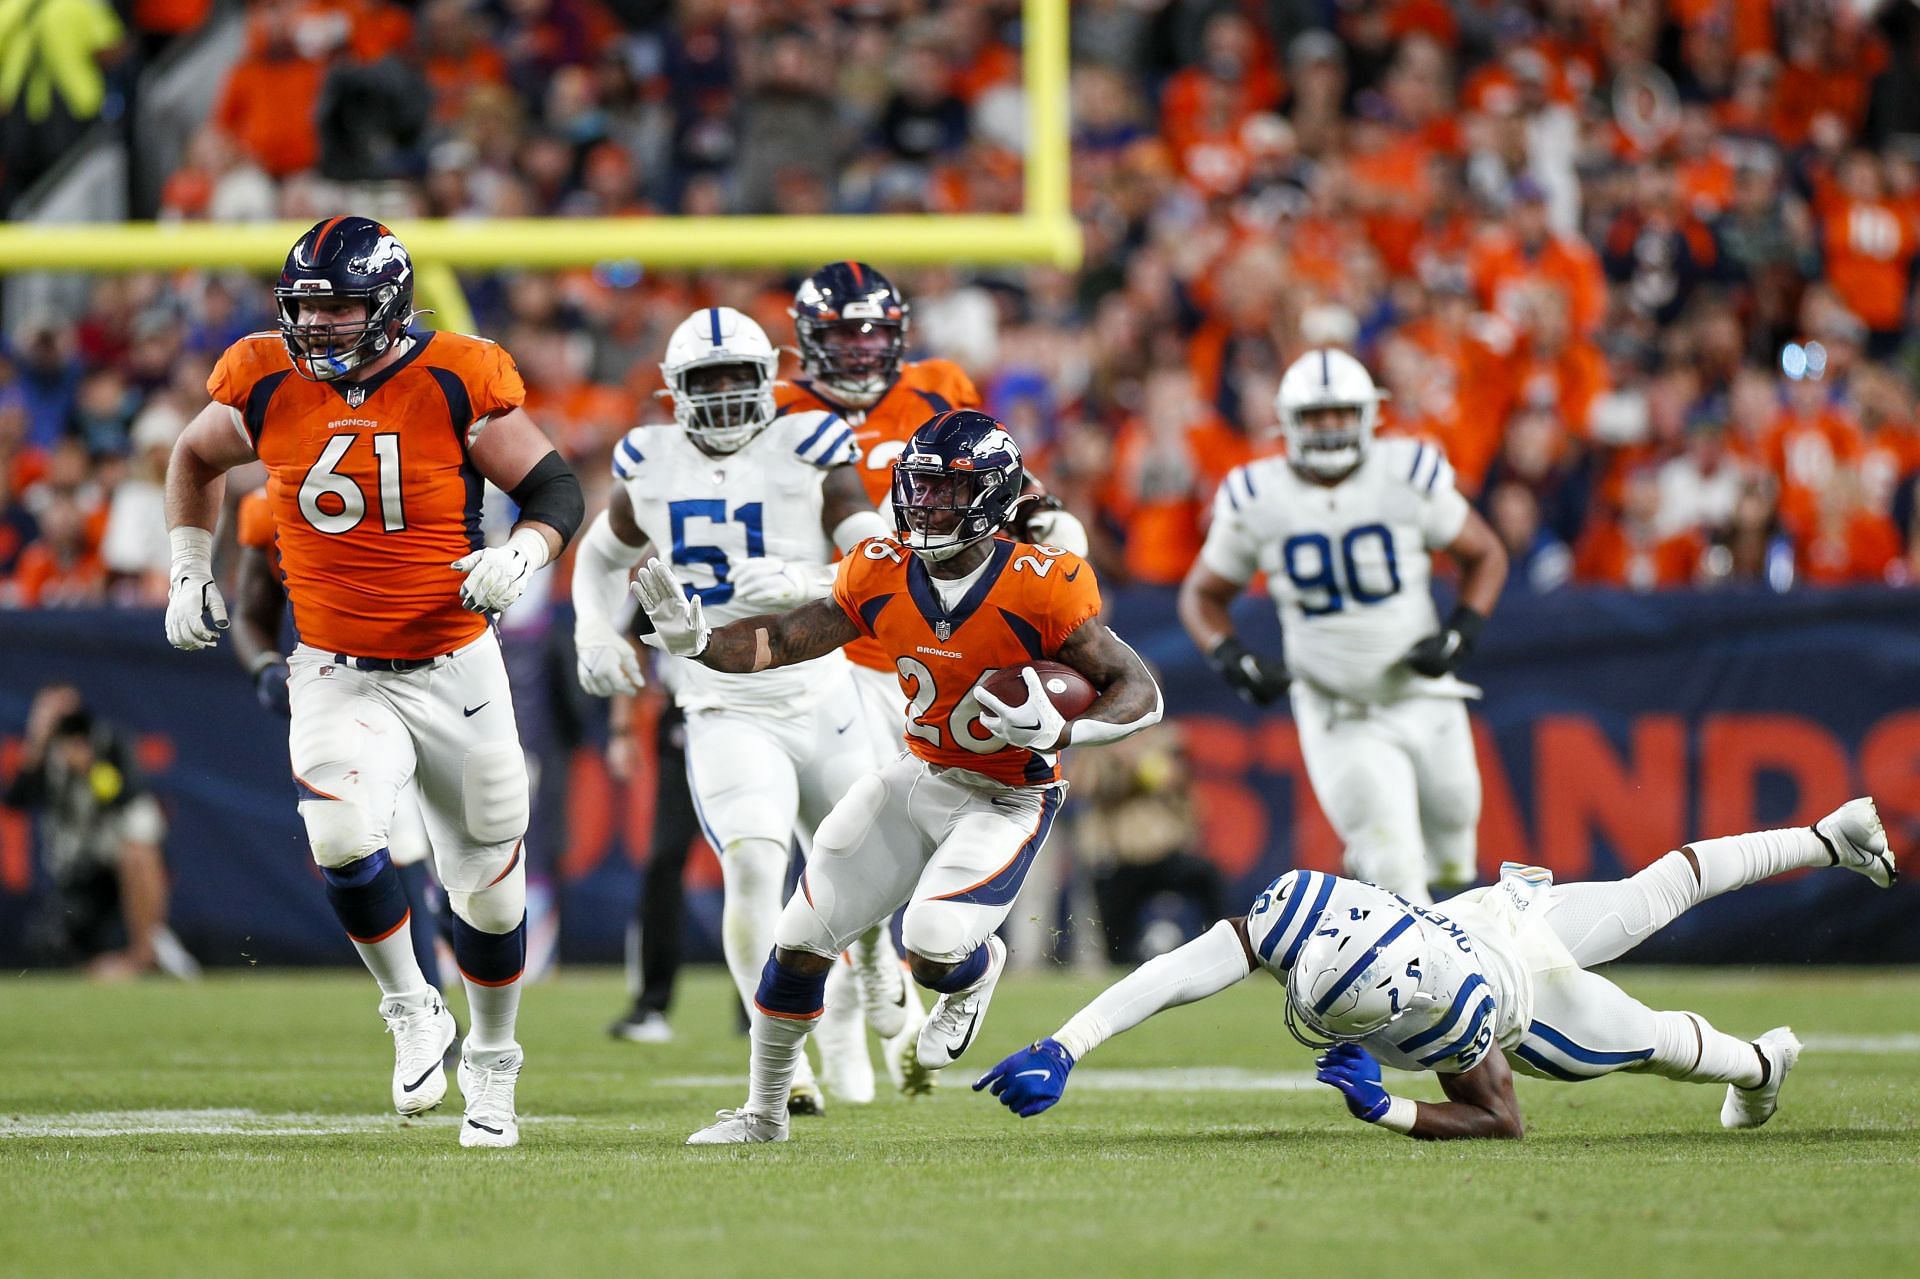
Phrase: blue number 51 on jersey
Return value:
(711, 557)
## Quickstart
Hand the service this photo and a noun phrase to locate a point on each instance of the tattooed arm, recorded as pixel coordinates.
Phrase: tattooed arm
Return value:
(752, 644)
(1129, 698)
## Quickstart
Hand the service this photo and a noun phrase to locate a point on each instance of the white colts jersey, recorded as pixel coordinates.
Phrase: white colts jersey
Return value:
(1348, 564)
(1475, 989)
(707, 514)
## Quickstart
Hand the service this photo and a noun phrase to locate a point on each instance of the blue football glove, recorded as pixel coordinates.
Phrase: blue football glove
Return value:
(270, 687)
(1352, 1070)
(1030, 1080)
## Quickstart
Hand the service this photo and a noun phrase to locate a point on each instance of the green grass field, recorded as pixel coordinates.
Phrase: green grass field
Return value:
(240, 1127)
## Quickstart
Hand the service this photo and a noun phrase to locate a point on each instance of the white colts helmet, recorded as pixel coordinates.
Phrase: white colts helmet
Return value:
(1353, 979)
(721, 421)
(1325, 379)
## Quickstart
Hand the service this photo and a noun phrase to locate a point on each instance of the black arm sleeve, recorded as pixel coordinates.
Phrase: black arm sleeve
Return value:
(550, 494)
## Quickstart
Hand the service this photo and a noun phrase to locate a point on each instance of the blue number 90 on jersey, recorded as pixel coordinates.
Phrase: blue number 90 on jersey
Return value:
(1326, 580)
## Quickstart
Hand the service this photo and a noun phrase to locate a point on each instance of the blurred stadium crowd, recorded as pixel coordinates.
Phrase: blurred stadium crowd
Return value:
(1645, 269)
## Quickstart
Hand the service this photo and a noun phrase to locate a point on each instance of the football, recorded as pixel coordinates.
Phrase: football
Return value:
(1068, 690)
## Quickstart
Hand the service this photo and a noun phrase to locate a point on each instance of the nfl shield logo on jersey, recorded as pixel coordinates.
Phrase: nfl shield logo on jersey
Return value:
(943, 631)
(356, 395)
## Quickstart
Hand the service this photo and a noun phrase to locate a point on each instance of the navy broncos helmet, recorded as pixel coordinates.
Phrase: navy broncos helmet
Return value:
(851, 324)
(345, 258)
(958, 481)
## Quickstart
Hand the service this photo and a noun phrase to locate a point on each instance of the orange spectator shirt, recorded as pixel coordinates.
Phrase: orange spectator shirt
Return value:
(268, 107)
(373, 496)
(1022, 608)
(923, 389)
(1869, 248)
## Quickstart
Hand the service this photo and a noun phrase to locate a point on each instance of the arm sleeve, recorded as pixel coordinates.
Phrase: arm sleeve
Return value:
(1204, 966)
(1230, 550)
(601, 568)
(1075, 599)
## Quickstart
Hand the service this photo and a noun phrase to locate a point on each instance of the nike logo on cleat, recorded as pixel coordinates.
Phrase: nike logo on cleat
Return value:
(470, 712)
(423, 1079)
(474, 1123)
(844, 727)
(966, 1038)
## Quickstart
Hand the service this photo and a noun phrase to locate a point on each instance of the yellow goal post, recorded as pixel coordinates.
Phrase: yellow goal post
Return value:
(1043, 232)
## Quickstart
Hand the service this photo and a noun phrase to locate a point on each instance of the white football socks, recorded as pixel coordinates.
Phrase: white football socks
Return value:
(494, 1010)
(393, 964)
(1686, 1048)
(779, 1050)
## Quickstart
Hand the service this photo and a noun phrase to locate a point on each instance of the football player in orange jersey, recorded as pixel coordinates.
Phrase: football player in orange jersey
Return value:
(378, 443)
(260, 603)
(949, 828)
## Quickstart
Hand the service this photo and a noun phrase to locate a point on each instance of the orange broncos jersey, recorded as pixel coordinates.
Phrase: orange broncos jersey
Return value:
(254, 521)
(371, 491)
(1022, 608)
(923, 389)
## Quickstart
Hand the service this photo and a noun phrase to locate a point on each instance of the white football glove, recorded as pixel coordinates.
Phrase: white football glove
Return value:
(679, 626)
(1033, 725)
(196, 613)
(1058, 528)
(498, 575)
(605, 662)
(776, 585)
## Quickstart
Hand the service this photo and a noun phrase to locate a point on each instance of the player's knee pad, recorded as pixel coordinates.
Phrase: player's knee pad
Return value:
(940, 931)
(801, 927)
(497, 908)
(847, 825)
(493, 793)
(339, 832)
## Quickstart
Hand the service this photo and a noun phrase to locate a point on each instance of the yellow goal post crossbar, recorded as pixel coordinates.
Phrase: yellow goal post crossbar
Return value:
(1043, 232)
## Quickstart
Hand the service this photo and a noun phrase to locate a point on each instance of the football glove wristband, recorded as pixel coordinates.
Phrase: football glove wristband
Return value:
(1443, 653)
(1258, 682)
(1352, 1070)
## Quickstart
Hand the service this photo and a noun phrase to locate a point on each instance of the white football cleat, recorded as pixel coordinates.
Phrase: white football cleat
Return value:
(486, 1081)
(740, 1128)
(841, 1036)
(805, 1098)
(1854, 834)
(882, 982)
(951, 1025)
(1751, 1107)
(642, 1028)
(422, 1031)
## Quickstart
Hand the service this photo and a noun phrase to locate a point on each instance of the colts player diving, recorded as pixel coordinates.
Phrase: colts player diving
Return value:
(1488, 980)
(379, 443)
(949, 828)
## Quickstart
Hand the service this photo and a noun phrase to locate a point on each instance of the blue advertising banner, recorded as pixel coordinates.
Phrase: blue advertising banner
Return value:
(1614, 728)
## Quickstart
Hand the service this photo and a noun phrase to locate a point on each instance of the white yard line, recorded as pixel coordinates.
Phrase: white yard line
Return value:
(216, 1123)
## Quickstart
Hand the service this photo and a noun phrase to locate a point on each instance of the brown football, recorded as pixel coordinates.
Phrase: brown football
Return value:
(1068, 690)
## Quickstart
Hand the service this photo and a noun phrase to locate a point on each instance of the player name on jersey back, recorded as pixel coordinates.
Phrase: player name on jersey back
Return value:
(708, 513)
(373, 495)
(1348, 564)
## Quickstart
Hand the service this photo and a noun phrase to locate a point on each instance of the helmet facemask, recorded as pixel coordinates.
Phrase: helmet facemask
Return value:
(1364, 1003)
(725, 402)
(325, 350)
(856, 359)
(938, 512)
(1328, 440)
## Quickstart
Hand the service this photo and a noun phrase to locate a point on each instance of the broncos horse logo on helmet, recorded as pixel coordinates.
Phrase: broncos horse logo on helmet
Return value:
(958, 481)
(344, 259)
(851, 325)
